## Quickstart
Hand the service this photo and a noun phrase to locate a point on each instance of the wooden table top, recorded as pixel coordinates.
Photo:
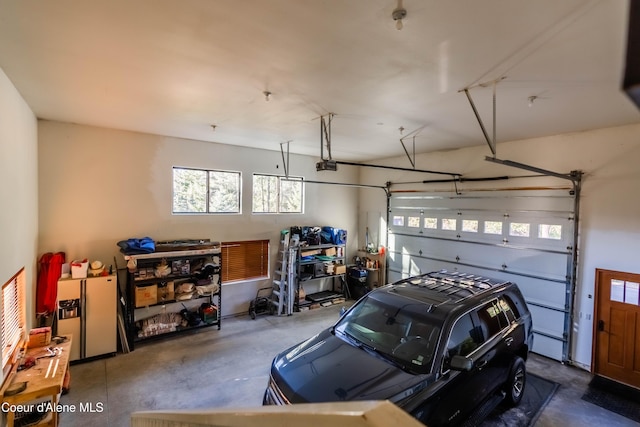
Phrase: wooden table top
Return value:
(46, 377)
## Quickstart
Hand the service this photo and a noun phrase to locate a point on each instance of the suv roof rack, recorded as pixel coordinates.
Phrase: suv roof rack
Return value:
(452, 286)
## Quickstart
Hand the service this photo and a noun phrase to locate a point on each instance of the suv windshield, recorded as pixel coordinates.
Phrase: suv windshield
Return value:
(399, 332)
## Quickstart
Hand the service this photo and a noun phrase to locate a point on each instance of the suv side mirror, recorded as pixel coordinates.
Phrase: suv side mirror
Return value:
(461, 363)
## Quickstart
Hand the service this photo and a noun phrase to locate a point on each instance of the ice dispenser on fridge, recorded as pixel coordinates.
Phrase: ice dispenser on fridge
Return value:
(68, 309)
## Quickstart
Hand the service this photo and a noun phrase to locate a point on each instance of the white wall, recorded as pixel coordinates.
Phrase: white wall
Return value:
(99, 186)
(610, 208)
(19, 189)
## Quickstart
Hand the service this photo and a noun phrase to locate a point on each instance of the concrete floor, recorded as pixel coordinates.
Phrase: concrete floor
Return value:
(229, 368)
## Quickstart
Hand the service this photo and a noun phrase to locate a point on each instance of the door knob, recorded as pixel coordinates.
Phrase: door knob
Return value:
(601, 325)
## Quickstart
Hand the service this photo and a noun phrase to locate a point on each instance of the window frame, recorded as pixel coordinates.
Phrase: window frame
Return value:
(14, 319)
(280, 178)
(207, 210)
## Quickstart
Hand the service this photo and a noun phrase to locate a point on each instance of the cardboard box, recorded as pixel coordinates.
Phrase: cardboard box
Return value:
(166, 292)
(340, 269)
(309, 252)
(146, 295)
(39, 337)
(329, 252)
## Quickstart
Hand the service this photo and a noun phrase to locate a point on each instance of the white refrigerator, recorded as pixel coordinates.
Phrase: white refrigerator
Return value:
(87, 310)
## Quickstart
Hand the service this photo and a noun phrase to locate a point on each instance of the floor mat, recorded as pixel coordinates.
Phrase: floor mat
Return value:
(537, 393)
(614, 397)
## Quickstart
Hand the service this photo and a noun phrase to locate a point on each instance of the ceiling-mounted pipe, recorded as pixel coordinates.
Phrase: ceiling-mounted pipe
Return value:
(344, 184)
(339, 162)
(435, 181)
(461, 180)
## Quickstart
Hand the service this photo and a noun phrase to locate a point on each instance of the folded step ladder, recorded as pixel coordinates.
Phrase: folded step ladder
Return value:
(284, 285)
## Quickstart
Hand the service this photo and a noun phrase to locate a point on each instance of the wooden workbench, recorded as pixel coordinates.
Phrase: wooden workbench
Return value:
(44, 381)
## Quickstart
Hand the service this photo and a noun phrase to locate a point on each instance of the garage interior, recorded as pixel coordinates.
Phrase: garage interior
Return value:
(397, 115)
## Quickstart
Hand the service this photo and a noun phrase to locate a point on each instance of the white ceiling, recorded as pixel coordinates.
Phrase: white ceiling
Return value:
(176, 67)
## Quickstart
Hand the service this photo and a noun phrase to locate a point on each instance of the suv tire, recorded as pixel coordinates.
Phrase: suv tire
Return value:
(514, 387)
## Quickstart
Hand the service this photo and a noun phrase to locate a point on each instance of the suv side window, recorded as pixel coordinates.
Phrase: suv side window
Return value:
(492, 319)
(509, 308)
(465, 337)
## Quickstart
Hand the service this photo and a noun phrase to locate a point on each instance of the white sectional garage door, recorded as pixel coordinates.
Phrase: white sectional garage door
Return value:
(524, 236)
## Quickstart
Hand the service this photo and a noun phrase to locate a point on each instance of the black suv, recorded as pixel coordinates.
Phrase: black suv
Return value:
(443, 346)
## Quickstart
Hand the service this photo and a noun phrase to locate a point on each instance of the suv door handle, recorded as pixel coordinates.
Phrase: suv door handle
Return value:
(481, 364)
(508, 341)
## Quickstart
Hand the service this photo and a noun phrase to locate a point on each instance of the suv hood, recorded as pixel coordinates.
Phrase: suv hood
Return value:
(325, 368)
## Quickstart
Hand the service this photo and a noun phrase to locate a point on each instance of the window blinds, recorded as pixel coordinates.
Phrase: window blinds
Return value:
(244, 260)
(13, 317)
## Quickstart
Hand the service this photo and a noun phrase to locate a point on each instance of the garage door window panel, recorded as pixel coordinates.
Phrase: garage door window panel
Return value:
(519, 229)
(470, 225)
(493, 227)
(413, 222)
(449, 224)
(550, 231)
(547, 231)
(431, 223)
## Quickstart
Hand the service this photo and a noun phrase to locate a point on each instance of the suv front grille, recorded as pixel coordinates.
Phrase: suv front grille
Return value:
(274, 395)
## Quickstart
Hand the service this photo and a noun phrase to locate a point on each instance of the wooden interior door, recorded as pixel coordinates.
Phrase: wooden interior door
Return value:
(617, 327)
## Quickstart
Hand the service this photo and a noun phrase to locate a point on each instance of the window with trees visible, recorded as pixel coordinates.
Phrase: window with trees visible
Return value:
(470, 225)
(519, 229)
(431, 223)
(206, 191)
(550, 231)
(277, 194)
(493, 227)
(449, 223)
(413, 221)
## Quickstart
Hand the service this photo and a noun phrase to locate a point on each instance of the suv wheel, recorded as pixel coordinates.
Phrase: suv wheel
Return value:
(514, 386)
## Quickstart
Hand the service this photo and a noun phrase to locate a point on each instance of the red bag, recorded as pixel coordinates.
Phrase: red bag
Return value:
(48, 276)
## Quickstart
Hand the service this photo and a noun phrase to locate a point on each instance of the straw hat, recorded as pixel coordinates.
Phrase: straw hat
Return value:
(96, 268)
